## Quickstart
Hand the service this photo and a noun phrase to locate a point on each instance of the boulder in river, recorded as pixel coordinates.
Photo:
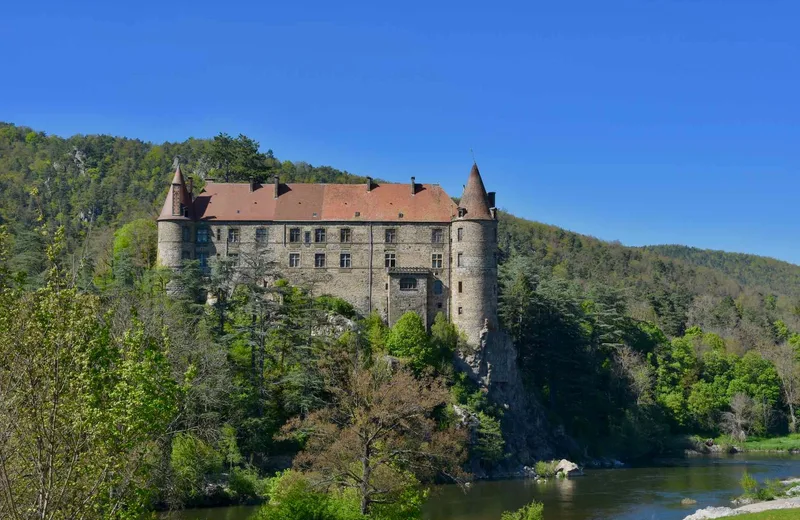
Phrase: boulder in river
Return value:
(568, 469)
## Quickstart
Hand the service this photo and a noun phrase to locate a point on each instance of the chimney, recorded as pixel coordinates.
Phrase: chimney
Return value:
(277, 183)
(369, 183)
(413, 185)
(491, 199)
(252, 185)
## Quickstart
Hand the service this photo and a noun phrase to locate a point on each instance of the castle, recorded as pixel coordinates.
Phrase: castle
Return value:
(382, 247)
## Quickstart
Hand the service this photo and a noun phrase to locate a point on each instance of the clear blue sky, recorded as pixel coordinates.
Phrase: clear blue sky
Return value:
(641, 121)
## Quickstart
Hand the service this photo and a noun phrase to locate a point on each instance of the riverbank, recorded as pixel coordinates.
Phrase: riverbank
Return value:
(773, 509)
(697, 445)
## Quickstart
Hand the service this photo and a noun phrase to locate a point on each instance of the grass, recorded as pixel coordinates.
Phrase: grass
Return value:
(785, 443)
(779, 514)
(546, 469)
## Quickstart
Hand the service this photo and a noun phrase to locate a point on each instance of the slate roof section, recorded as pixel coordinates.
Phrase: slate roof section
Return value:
(385, 202)
(475, 200)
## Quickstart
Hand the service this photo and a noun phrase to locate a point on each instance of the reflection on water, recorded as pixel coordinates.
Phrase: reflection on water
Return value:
(651, 493)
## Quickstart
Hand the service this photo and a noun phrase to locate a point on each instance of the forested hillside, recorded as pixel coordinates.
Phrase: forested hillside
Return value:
(216, 387)
(752, 270)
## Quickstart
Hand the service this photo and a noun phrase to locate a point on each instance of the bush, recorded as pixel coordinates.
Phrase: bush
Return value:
(194, 463)
(546, 469)
(749, 485)
(533, 511)
(337, 306)
(291, 497)
(244, 485)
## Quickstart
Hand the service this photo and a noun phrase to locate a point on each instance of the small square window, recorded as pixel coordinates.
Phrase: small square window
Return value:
(344, 260)
(461, 310)
(344, 235)
(319, 260)
(460, 234)
(261, 234)
(202, 235)
(233, 235)
(436, 261)
(234, 258)
(294, 235)
(437, 236)
(391, 236)
(390, 260)
(439, 305)
(460, 260)
(294, 259)
(319, 235)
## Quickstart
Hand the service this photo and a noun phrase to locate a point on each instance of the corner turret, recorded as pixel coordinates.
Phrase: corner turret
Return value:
(175, 224)
(473, 250)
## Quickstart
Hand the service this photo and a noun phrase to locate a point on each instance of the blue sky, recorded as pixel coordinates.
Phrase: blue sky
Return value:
(641, 121)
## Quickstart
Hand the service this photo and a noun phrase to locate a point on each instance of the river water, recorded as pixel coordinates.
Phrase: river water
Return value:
(640, 493)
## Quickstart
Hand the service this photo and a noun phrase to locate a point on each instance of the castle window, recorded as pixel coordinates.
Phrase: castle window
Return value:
(438, 287)
(294, 234)
(390, 260)
(294, 259)
(261, 234)
(219, 234)
(461, 310)
(319, 235)
(185, 255)
(462, 212)
(202, 258)
(436, 261)
(460, 260)
(460, 287)
(319, 260)
(437, 236)
(344, 235)
(391, 236)
(202, 235)
(460, 234)
(186, 233)
(307, 237)
(233, 235)
(408, 284)
(234, 258)
(344, 260)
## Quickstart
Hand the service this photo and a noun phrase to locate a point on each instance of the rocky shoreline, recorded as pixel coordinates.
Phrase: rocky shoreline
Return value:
(722, 512)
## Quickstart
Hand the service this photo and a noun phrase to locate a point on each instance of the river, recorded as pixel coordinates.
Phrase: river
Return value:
(640, 493)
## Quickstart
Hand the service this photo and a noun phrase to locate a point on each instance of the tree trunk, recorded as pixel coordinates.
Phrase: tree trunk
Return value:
(793, 423)
(366, 471)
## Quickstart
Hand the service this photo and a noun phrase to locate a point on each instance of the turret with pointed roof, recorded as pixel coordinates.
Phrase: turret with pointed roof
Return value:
(474, 246)
(475, 201)
(178, 205)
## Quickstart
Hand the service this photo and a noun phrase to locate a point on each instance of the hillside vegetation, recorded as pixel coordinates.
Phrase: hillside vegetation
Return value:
(619, 347)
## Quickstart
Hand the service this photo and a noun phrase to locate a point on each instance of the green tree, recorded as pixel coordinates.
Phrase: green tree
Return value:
(81, 406)
(408, 339)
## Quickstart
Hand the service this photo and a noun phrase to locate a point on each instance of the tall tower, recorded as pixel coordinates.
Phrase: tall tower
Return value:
(175, 230)
(473, 253)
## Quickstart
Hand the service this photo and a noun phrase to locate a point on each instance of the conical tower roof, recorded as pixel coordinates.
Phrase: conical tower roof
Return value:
(172, 209)
(474, 200)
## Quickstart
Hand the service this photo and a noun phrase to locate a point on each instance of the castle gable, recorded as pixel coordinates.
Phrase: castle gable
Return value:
(324, 202)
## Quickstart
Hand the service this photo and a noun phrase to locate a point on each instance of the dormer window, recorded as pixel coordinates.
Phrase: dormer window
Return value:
(462, 212)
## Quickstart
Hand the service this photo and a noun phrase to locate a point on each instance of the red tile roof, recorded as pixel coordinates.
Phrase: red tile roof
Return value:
(325, 202)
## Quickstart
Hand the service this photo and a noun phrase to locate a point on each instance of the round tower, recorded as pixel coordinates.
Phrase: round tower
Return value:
(473, 249)
(175, 230)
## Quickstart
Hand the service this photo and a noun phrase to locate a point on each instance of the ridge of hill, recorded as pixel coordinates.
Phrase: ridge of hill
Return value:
(93, 184)
(748, 269)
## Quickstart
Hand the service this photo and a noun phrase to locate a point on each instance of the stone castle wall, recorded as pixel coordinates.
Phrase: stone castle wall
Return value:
(365, 284)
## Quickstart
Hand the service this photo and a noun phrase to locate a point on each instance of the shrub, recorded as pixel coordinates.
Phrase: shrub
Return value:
(749, 485)
(337, 306)
(291, 497)
(546, 469)
(533, 511)
(244, 485)
(194, 462)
